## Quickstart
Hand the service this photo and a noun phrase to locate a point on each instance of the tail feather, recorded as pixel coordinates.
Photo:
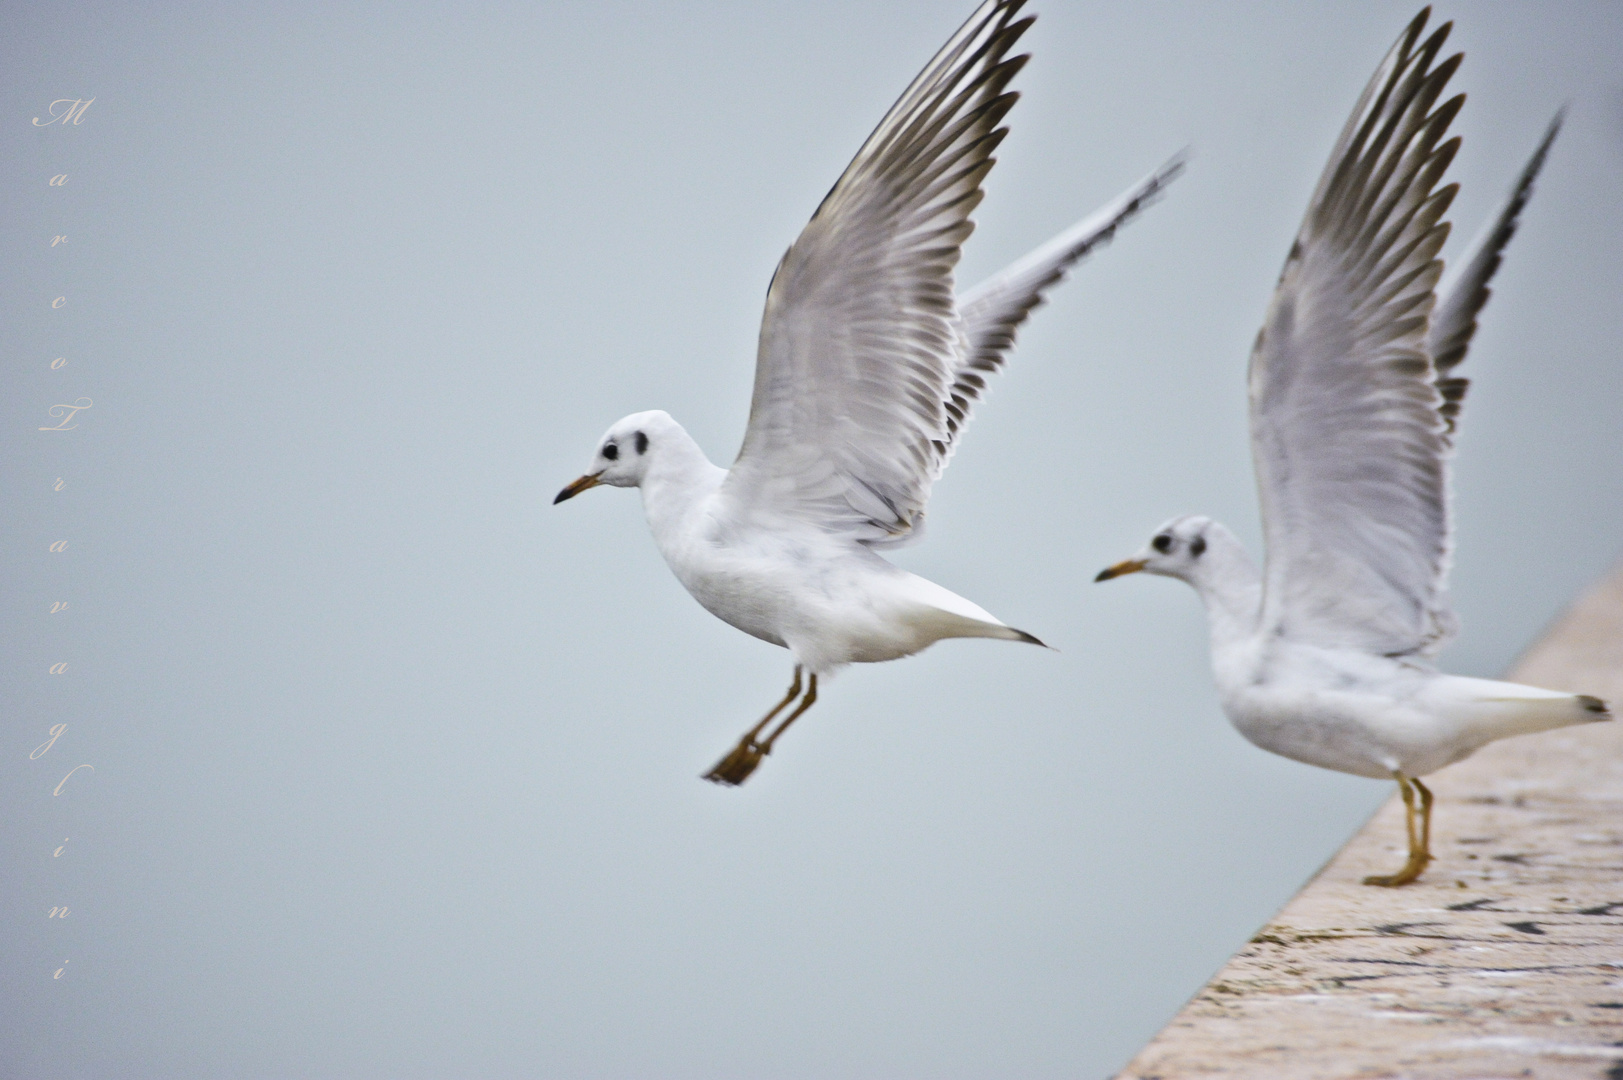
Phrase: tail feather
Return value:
(1489, 710)
(1030, 639)
(1596, 706)
(1523, 714)
(951, 624)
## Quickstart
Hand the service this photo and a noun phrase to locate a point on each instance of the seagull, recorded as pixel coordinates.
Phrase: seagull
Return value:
(866, 373)
(1325, 656)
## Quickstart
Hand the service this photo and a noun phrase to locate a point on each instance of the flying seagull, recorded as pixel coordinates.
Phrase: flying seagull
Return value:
(1325, 656)
(867, 370)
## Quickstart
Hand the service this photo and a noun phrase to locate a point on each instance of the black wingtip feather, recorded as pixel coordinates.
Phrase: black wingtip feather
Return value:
(1457, 316)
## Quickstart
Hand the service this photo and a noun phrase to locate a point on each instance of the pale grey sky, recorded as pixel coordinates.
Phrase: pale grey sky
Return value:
(396, 765)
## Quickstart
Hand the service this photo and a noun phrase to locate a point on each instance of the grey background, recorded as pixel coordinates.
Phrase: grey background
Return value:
(396, 764)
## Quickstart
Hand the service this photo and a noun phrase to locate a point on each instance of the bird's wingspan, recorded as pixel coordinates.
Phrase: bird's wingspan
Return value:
(992, 312)
(1348, 439)
(849, 424)
(1454, 323)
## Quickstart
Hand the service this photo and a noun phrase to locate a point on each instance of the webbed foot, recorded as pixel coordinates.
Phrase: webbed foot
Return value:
(1411, 870)
(737, 766)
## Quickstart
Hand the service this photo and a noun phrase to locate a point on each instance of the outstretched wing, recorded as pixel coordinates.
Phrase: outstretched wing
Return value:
(992, 312)
(848, 424)
(1347, 436)
(1454, 324)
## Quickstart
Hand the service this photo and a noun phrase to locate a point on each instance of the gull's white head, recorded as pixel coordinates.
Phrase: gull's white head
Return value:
(1178, 549)
(625, 452)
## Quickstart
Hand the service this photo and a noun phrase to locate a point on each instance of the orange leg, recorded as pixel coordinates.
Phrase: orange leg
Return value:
(1418, 822)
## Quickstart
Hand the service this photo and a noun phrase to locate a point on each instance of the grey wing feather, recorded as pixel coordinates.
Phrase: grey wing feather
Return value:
(991, 314)
(1454, 323)
(848, 422)
(1347, 437)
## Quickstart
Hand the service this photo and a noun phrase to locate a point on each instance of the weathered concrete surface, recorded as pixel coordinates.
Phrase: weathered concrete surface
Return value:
(1504, 960)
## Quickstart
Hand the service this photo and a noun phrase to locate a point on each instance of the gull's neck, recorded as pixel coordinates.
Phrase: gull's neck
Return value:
(1230, 587)
(678, 479)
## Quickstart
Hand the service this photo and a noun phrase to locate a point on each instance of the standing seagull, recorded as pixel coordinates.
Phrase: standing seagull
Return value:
(865, 376)
(1325, 657)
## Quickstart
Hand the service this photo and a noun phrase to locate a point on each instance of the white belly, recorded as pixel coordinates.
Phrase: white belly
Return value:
(1369, 716)
(830, 607)
(831, 602)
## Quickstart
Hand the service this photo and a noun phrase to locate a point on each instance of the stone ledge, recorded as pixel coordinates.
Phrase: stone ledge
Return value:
(1504, 960)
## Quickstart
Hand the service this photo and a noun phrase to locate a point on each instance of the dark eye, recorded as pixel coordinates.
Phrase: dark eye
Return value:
(611, 451)
(1197, 546)
(1162, 543)
(642, 443)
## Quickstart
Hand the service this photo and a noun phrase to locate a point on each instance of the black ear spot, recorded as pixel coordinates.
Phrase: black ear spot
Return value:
(1162, 543)
(1197, 546)
(611, 451)
(642, 443)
